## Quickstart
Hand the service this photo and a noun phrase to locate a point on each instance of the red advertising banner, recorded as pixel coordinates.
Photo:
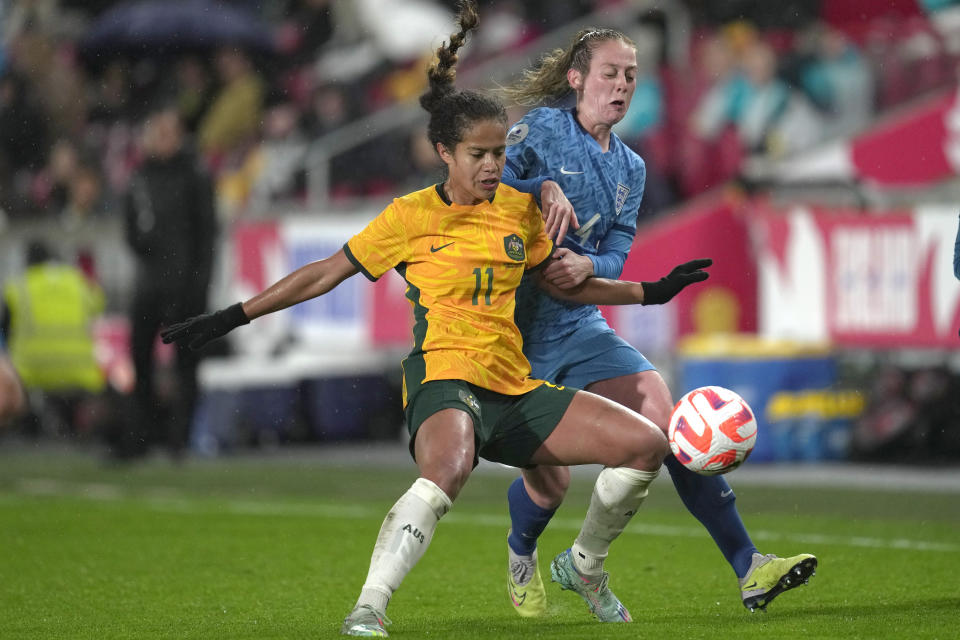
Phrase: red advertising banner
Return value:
(392, 315)
(859, 280)
(727, 301)
(256, 246)
(912, 149)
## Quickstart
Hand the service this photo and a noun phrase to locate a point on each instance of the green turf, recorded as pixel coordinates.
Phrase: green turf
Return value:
(273, 549)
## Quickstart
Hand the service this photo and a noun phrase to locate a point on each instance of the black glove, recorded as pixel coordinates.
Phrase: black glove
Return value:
(200, 330)
(670, 285)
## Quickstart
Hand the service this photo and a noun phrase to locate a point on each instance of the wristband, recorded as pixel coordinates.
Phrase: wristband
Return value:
(656, 292)
(235, 316)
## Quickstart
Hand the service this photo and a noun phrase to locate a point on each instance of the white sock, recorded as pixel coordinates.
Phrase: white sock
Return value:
(404, 537)
(617, 495)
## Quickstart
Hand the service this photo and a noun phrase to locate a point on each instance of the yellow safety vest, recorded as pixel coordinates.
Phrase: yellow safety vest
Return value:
(52, 308)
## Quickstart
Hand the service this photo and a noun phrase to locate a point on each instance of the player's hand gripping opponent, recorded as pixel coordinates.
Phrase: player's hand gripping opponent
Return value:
(673, 283)
(558, 214)
(199, 330)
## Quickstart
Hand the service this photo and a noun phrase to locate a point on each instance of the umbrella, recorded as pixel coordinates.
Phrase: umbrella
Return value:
(155, 26)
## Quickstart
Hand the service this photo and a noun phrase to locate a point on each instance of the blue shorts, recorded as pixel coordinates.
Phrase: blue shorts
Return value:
(592, 353)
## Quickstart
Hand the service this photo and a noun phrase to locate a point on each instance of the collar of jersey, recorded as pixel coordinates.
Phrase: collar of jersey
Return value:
(573, 114)
(446, 201)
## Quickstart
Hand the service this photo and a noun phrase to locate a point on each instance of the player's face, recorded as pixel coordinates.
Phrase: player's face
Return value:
(476, 164)
(604, 93)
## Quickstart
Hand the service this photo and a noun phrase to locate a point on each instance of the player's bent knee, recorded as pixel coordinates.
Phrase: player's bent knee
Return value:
(646, 451)
(658, 413)
(547, 485)
(450, 474)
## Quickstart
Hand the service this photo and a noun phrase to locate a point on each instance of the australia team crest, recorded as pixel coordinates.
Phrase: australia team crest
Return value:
(513, 245)
(622, 193)
(470, 400)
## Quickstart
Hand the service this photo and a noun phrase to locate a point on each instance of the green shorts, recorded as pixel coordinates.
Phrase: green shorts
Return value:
(507, 429)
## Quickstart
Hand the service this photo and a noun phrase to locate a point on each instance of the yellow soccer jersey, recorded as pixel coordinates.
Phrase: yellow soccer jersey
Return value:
(462, 265)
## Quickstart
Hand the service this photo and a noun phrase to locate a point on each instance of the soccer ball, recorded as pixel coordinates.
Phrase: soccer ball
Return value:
(712, 430)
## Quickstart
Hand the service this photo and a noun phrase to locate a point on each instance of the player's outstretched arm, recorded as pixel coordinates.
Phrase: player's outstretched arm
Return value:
(309, 281)
(617, 292)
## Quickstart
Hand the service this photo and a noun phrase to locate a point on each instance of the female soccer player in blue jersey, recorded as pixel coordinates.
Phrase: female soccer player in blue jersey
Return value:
(571, 158)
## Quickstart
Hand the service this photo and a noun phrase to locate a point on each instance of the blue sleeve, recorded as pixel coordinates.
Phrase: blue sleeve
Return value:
(956, 255)
(613, 248)
(525, 169)
(511, 177)
(612, 252)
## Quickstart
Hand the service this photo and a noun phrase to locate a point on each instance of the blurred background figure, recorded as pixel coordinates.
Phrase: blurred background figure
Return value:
(12, 398)
(234, 117)
(170, 227)
(83, 199)
(52, 187)
(945, 17)
(23, 143)
(836, 78)
(194, 91)
(723, 102)
(776, 119)
(48, 316)
(956, 255)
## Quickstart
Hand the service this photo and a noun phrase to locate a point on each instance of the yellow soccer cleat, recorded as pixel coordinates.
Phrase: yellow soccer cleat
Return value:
(769, 576)
(525, 587)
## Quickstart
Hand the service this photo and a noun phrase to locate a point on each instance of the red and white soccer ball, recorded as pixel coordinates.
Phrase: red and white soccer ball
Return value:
(712, 430)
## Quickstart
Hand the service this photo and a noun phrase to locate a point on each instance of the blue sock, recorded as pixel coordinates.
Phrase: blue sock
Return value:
(527, 519)
(710, 499)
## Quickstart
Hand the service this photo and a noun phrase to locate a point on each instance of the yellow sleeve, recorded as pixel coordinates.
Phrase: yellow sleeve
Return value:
(382, 245)
(539, 245)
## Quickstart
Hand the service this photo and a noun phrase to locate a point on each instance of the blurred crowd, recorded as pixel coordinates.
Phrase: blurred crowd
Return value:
(255, 92)
(255, 83)
(911, 416)
(74, 88)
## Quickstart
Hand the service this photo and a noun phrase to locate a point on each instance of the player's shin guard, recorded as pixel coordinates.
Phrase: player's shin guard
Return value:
(404, 536)
(617, 496)
(711, 501)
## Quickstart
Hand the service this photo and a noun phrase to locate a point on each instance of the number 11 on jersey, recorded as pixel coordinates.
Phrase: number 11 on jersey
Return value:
(478, 273)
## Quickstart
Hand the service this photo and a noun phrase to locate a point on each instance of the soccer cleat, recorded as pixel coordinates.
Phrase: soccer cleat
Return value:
(525, 587)
(769, 576)
(365, 621)
(597, 595)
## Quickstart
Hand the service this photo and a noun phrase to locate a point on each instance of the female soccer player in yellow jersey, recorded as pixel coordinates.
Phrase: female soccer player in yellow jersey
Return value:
(462, 247)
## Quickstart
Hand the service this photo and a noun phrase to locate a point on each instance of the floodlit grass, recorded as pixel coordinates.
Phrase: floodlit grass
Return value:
(272, 548)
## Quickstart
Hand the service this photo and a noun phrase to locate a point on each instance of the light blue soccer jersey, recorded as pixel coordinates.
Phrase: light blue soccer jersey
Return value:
(605, 190)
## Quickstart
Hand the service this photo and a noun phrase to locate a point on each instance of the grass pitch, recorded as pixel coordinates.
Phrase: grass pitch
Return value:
(278, 548)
